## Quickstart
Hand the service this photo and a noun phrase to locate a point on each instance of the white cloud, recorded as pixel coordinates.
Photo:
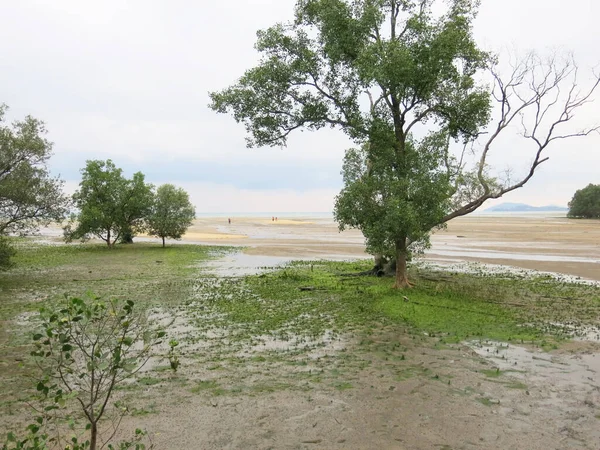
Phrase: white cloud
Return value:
(218, 198)
(129, 80)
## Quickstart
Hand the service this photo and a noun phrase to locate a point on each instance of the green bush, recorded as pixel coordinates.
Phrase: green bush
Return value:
(6, 253)
(586, 203)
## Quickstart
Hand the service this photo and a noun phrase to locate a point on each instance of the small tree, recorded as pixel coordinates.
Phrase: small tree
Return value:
(85, 349)
(6, 252)
(586, 203)
(171, 214)
(109, 204)
(29, 196)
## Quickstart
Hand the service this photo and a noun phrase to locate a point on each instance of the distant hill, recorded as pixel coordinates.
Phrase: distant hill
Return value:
(522, 207)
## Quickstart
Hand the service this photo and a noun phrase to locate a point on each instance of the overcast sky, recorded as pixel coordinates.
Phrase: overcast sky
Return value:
(129, 80)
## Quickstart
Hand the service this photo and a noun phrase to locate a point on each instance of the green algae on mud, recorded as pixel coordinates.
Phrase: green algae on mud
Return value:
(450, 307)
(43, 274)
(291, 328)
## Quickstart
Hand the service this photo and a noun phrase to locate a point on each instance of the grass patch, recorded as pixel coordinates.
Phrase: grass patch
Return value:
(269, 320)
(487, 401)
(204, 385)
(342, 385)
(453, 308)
(149, 381)
(43, 274)
(492, 373)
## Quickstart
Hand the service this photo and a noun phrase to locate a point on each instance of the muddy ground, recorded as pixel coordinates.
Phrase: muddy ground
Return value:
(389, 388)
(383, 389)
(550, 243)
(396, 393)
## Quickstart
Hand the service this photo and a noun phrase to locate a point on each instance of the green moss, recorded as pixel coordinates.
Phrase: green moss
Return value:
(452, 308)
(271, 321)
(148, 381)
(204, 385)
(492, 373)
(486, 401)
(342, 385)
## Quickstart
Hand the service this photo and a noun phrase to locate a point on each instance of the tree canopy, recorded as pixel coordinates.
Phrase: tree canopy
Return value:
(29, 196)
(399, 77)
(586, 203)
(109, 204)
(171, 213)
(386, 206)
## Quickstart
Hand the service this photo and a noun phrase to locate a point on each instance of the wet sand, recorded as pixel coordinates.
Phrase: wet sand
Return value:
(404, 391)
(552, 244)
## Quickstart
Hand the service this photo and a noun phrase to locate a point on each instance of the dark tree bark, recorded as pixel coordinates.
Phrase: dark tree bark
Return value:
(93, 435)
(401, 266)
(127, 238)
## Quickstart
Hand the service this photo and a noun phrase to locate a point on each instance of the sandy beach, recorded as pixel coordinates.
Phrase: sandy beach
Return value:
(545, 243)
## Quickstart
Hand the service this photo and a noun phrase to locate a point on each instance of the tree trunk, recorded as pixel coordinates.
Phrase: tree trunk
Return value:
(108, 238)
(163, 238)
(384, 267)
(401, 272)
(93, 436)
(126, 237)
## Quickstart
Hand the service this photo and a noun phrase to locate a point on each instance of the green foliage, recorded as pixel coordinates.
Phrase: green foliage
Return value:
(171, 213)
(29, 196)
(109, 204)
(315, 70)
(7, 251)
(386, 203)
(411, 63)
(454, 307)
(35, 439)
(586, 203)
(85, 348)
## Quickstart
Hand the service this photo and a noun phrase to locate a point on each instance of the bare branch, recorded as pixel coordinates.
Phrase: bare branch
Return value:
(543, 110)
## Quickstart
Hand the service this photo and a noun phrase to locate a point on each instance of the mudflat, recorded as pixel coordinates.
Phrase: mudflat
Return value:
(545, 243)
(250, 379)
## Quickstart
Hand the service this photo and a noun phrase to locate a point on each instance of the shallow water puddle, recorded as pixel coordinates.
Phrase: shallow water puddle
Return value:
(317, 347)
(579, 372)
(585, 333)
(241, 264)
(453, 265)
(495, 254)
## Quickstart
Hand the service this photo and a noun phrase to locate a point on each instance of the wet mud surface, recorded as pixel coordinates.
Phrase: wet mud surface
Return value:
(386, 388)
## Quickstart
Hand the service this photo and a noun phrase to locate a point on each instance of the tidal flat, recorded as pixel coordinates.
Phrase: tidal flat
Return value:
(303, 354)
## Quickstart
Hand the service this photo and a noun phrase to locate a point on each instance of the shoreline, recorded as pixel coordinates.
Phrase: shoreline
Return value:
(545, 243)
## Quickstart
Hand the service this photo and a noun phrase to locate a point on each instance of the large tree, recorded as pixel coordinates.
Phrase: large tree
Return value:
(399, 78)
(29, 196)
(171, 214)
(109, 204)
(586, 203)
